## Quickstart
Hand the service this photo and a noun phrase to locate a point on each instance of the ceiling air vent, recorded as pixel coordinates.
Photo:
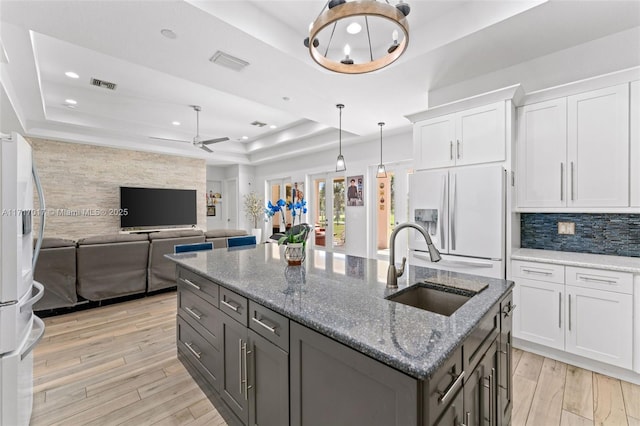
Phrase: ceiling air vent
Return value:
(102, 83)
(228, 61)
(258, 124)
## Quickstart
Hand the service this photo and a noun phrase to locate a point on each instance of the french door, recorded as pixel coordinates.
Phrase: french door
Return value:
(328, 211)
(390, 209)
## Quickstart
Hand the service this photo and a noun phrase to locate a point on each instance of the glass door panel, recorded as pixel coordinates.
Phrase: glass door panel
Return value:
(320, 212)
(339, 190)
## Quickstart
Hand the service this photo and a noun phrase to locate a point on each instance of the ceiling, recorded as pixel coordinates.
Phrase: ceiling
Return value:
(158, 78)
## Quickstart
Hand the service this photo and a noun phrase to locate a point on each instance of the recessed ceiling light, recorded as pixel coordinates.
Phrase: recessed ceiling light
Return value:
(175, 123)
(244, 138)
(71, 74)
(273, 126)
(168, 33)
(71, 101)
(354, 28)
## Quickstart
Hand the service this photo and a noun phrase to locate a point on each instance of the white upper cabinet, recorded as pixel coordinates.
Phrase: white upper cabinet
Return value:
(433, 143)
(634, 140)
(473, 136)
(598, 148)
(574, 152)
(542, 154)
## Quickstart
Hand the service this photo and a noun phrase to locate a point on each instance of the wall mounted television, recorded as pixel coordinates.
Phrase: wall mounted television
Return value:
(157, 207)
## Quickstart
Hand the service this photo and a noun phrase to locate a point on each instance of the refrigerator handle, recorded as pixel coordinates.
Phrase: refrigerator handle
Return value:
(43, 216)
(443, 243)
(40, 324)
(452, 219)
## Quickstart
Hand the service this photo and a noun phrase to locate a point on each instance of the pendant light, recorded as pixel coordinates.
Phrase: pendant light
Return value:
(382, 172)
(341, 166)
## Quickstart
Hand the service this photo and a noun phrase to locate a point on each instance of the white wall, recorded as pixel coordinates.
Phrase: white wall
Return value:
(359, 158)
(601, 56)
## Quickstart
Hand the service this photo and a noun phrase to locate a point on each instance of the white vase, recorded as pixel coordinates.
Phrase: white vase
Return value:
(258, 234)
(294, 253)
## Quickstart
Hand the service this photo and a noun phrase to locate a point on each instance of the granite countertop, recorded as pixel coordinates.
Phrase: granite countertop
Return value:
(343, 297)
(586, 260)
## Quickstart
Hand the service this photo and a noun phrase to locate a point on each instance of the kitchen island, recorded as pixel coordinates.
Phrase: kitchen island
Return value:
(321, 344)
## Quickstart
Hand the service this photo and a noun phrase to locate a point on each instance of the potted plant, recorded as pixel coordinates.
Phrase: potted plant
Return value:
(253, 209)
(295, 237)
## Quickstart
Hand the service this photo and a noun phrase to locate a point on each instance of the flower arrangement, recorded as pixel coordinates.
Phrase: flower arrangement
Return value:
(253, 207)
(296, 233)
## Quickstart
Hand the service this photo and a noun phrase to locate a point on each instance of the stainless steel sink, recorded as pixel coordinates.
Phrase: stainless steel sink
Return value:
(431, 299)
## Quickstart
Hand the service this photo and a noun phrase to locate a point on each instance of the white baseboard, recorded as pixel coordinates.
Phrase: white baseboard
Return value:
(588, 364)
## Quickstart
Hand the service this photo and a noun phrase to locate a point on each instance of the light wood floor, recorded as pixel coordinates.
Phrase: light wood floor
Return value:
(117, 365)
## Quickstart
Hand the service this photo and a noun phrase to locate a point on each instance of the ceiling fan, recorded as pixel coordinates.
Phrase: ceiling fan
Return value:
(196, 139)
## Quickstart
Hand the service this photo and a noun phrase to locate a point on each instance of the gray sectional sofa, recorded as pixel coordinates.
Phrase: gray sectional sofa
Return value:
(109, 266)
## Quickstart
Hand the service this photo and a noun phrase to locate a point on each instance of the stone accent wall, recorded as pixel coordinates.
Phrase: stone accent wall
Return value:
(82, 182)
(614, 234)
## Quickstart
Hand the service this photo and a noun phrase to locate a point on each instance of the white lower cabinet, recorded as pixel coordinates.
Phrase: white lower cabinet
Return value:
(600, 325)
(592, 319)
(538, 318)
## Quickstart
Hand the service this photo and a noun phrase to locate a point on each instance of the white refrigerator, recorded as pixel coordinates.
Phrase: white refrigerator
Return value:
(463, 209)
(20, 329)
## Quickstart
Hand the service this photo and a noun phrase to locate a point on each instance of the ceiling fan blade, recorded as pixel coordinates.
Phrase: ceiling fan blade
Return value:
(206, 148)
(210, 141)
(168, 139)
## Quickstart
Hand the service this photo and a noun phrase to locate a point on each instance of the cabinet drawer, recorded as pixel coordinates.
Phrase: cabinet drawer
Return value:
(233, 305)
(444, 385)
(199, 352)
(538, 271)
(481, 338)
(620, 282)
(270, 325)
(201, 286)
(198, 311)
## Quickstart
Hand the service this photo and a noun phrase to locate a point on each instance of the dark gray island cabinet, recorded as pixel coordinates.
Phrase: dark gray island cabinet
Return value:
(259, 367)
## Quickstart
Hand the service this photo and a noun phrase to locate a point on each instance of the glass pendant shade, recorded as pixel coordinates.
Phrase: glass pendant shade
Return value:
(341, 166)
(382, 172)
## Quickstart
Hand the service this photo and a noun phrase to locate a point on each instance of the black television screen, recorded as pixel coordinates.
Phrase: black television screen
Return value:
(146, 207)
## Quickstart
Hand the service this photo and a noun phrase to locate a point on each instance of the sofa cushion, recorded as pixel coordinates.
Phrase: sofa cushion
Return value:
(222, 233)
(112, 238)
(51, 242)
(175, 234)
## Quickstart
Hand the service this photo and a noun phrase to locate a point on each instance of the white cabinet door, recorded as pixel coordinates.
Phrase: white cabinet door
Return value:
(598, 148)
(599, 325)
(634, 140)
(434, 143)
(539, 317)
(475, 136)
(542, 152)
(480, 135)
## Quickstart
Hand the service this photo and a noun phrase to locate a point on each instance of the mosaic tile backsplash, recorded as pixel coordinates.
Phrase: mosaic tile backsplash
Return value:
(613, 234)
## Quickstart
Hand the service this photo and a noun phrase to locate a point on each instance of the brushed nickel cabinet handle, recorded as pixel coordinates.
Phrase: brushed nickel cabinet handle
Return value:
(569, 312)
(193, 351)
(561, 181)
(240, 381)
(193, 313)
(230, 306)
(260, 323)
(186, 281)
(572, 183)
(447, 393)
(559, 310)
(457, 149)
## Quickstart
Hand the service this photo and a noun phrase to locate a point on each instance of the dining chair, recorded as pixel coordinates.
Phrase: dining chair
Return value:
(241, 241)
(185, 248)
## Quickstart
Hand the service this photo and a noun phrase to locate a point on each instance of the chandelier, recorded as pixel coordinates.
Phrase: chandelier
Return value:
(356, 37)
